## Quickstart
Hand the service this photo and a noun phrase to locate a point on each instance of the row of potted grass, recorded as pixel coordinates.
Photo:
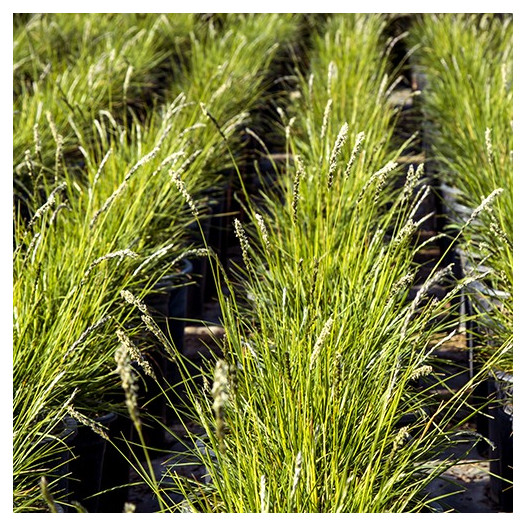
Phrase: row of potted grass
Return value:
(315, 405)
(119, 227)
(70, 67)
(469, 99)
(468, 61)
(50, 43)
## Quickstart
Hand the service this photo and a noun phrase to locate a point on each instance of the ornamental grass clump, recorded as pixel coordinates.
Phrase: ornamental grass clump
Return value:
(66, 278)
(49, 43)
(326, 346)
(467, 61)
(327, 352)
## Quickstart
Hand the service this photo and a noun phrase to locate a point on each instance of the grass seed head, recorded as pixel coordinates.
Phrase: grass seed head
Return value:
(152, 326)
(135, 353)
(338, 145)
(129, 384)
(425, 370)
(337, 376)
(29, 163)
(300, 174)
(497, 231)
(400, 439)
(132, 300)
(84, 420)
(405, 233)
(36, 140)
(485, 205)
(243, 241)
(402, 284)
(489, 145)
(147, 319)
(355, 151)
(382, 178)
(378, 177)
(321, 341)
(412, 179)
(48, 204)
(179, 183)
(220, 397)
(263, 229)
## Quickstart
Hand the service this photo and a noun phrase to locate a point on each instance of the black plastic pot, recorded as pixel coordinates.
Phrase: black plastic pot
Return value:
(116, 469)
(168, 303)
(199, 271)
(57, 466)
(89, 449)
(152, 403)
(500, 429)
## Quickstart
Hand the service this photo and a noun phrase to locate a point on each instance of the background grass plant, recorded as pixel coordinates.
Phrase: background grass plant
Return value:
(467, 60)
(113, 66)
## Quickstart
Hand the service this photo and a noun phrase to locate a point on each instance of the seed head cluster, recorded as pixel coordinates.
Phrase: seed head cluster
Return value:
(243, 241)
(135, 353)
(263, 229)
(336, 151)
(129, 384)
(220, 396)
(360, 138)
(84, 420)
(326, 330)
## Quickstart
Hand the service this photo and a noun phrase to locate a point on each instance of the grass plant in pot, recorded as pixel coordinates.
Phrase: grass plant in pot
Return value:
(280, 390)
(468, 60)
